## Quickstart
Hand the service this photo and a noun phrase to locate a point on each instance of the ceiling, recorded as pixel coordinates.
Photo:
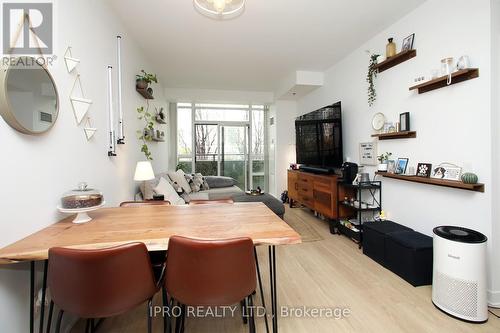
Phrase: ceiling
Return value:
(270, 40)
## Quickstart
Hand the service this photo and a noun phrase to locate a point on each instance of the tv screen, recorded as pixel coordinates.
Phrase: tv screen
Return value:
(319, 138)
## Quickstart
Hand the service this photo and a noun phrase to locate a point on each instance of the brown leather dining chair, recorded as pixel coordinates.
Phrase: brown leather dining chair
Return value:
(210, 202)
(209, 273)
(94, 284)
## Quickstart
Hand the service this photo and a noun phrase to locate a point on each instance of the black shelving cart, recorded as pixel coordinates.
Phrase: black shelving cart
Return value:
(356, 201)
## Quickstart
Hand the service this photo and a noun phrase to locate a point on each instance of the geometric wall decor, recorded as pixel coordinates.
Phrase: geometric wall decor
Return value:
(81, 104)
(89, 129)
(80, 107)
(71, 62)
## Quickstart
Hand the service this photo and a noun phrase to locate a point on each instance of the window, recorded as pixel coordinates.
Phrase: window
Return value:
(184, 138)
(223, 139)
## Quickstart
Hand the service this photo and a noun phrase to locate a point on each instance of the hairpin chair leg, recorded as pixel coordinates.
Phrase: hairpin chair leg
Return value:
(32, 296)
(59, 320)
(251, 326)
(244, 311)
(259, 278)
(44, 290)
(179, 321)
(274, 292)
(167, 328)
(49, 319)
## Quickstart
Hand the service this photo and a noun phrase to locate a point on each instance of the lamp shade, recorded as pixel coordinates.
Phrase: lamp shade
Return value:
(144, 171)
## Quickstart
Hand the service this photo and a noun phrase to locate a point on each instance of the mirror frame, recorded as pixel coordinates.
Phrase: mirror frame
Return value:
(6, 109)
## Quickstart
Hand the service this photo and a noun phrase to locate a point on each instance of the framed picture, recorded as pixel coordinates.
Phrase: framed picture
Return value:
(401, 165)
(447, 172)
(408, 43)
(404, 122)
(424, 170)
(368, 153)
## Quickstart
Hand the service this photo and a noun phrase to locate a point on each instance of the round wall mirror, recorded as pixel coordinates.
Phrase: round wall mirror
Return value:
(28, 96)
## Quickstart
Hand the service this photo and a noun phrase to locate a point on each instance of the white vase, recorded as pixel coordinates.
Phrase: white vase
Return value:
(382, 167)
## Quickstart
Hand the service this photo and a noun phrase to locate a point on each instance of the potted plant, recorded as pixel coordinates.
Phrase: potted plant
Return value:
(383, 159)
(144, 80)
(147, 133)
(372, 74)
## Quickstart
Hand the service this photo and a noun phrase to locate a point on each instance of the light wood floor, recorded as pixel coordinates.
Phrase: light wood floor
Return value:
(328, 273)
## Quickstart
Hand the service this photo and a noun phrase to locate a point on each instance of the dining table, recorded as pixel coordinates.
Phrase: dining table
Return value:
(153, 225)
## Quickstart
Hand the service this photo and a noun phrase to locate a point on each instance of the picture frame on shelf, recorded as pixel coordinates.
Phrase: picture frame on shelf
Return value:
(391, 166)
(404, 122)
(401, 165)
(447, 171)
(424, 170)
(408, 43)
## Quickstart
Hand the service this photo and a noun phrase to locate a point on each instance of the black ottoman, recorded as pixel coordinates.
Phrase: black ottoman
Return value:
(374, 237)
(274, 204)
(409, 255)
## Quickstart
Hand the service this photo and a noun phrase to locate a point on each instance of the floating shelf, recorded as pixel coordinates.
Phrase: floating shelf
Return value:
(433, 181)
(396, 60)
(396, 135)
(359, 209)
(159, 120)
(440, 82)
(145, 93)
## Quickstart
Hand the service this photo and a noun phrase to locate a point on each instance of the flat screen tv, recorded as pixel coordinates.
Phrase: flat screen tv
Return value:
(319, 138)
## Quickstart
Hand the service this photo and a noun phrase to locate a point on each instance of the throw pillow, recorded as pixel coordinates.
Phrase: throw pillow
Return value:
(180, 191)
(179, 178)
(195, 180)
(168, 192)
(204, 185)
(219, 181)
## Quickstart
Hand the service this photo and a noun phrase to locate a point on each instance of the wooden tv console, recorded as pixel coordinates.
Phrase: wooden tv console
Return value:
(317, 192)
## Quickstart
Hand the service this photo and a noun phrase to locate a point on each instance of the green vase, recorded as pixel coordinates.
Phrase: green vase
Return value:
(469, 178)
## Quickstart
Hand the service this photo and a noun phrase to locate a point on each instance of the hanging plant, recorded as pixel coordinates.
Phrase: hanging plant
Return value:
(145, 134)
(372, 74)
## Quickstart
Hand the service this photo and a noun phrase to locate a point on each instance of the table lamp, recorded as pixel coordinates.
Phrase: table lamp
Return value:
(144, 171)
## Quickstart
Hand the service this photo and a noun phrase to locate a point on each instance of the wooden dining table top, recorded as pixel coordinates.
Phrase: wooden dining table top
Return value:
(153, 226)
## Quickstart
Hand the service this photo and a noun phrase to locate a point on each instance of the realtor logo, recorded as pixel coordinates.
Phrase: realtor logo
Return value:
(27, 28)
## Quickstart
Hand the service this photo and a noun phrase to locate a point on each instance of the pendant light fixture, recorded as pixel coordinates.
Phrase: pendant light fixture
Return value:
(220, 9)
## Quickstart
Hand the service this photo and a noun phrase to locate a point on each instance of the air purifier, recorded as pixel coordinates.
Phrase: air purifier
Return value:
(459, 273)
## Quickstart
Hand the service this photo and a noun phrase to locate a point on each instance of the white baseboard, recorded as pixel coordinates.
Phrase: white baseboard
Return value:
(494, 298)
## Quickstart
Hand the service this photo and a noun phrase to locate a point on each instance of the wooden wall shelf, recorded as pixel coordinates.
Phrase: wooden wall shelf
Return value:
(440, 82)
(396, 60)
(433, 181)
(145, 93)
(396, 135)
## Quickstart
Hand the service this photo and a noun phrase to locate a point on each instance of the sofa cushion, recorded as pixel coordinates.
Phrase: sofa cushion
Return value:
(166, 189)
(179, 178)
(202, 195)
(219, 181)
(223, 192)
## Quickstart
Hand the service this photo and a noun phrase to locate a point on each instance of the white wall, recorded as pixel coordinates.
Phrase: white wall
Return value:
(453, 123)
(218, 96)
(495, 130)
(36, 171)
(285, 114)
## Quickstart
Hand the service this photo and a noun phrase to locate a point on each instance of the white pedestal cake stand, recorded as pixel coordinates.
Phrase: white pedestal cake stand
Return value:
(81, 213)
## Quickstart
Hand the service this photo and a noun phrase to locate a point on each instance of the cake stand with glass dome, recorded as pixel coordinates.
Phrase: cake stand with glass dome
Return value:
(80, 202)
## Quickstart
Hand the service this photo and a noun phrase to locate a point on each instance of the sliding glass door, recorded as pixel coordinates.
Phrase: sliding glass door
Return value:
(234, 153)
(223, 139)
(206, 158)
